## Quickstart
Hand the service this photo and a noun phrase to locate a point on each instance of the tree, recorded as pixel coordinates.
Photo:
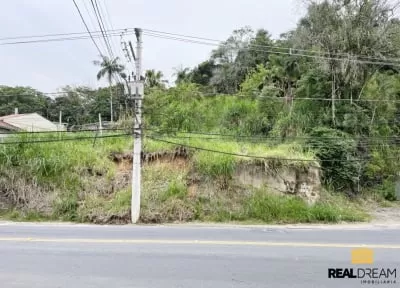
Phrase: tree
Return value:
(356, 30)
(182, 75)
(203, 73)
(26, 99)
(109, 69)
(74, 105)
(230, 60)
(237, 56)
(153, 79)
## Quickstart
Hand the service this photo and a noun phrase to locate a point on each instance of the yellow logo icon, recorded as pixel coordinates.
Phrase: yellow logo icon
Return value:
(362, 256)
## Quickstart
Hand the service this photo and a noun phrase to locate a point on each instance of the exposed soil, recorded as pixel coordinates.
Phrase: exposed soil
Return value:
(386, 215)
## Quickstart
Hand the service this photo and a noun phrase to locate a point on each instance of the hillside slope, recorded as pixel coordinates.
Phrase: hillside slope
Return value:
(85, 181)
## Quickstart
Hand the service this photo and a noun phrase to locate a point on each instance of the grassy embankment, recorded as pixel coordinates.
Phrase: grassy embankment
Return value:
(77, 181)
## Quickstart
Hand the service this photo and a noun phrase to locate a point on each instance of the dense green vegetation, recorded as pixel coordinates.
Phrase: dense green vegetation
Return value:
(327, 91)
(78, 181)
(332, 85)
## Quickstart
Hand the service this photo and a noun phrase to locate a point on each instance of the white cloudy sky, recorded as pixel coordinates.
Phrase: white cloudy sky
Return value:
(49, 66)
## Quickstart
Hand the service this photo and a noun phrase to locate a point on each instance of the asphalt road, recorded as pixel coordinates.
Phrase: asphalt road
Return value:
(41, 256)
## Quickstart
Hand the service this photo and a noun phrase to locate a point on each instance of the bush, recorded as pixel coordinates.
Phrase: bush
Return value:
(336, 151)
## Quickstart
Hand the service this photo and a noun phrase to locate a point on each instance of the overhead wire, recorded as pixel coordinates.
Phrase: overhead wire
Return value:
(117, 77)
(365, 140)
(258, 137)
(147, 136)
(339, 56)
(290, 53)
(108, 23)
(287, 49)
(66, 34)
(94, 24)
(60, 39)
(100, 22)
(205, 43)
(64, 139)
(87, 28)
(243, 96)
(62, 132)
(217, 136)
(358, 146)
(257, 156)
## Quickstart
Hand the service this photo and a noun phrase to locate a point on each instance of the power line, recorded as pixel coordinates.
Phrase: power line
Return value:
(87, 28)
(248, 139)
(63, 132)
(83, 37)
(64, 139)
(101, 25)
(108, 19)
(365, 141)
(242, 95)
(239, 96)
(261, 137)
(311, 146)
(286, 50)
(257, 156)
(290, 50)
(290, 53)
(63, 34)
(99, 16)
(93, 21)
(100, 21)
(46, 93)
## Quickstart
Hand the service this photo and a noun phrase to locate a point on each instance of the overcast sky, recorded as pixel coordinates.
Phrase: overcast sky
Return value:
(49, 66)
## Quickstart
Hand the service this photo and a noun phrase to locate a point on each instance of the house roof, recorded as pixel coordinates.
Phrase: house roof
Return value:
(13, 116)
(7, 126)
(32, 122)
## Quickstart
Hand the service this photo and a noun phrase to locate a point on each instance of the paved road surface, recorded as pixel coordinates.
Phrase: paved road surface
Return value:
(50, 256)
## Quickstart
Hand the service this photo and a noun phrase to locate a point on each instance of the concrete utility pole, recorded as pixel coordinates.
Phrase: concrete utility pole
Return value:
(137, 130)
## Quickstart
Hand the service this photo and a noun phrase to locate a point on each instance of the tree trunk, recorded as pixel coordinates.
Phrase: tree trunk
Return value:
(111, 104)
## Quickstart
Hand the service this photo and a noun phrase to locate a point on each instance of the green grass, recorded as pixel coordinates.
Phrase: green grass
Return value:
(81, 175)
(218, 164)
(24, 216)
(176, 189)
(268, 208)
(64, 166)
(214, 165)
(49, 161)
(293, 152)
(100, 209)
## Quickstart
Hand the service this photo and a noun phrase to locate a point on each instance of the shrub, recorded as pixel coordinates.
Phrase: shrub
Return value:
(336, 151)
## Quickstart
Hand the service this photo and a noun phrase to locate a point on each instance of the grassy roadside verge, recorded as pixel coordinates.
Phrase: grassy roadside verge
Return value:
(77, 181)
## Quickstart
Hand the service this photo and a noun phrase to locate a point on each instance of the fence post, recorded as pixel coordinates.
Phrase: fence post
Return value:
(100, 125)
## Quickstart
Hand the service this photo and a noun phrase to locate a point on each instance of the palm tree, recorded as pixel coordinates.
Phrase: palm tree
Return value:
(109, 68)
(153, 78)
(182, 75)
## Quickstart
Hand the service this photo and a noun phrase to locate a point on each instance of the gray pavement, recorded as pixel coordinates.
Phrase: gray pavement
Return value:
(185, 256)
